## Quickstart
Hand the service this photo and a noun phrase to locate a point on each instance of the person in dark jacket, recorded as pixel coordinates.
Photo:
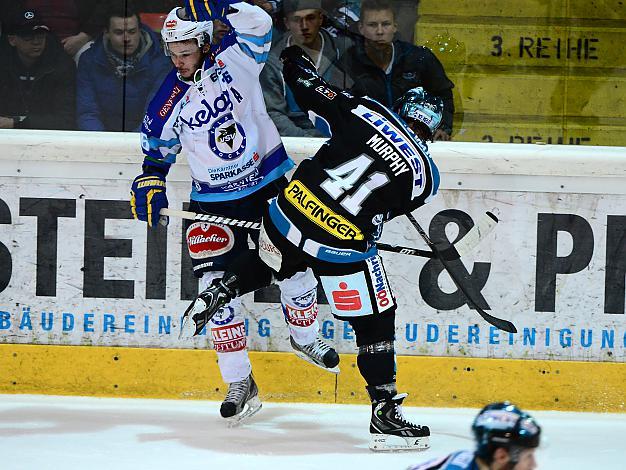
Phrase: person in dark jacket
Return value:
(304, 28)
(384, 69)
(119, 73)
(37, 79)
(74, 22)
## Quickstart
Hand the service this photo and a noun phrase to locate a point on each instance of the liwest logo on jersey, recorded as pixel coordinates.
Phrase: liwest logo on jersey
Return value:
(349, 294)
(316, 211)
(398, 138)
(206, 240)
(384, 299)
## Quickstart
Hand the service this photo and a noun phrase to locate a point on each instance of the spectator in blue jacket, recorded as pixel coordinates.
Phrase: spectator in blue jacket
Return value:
(119, 74)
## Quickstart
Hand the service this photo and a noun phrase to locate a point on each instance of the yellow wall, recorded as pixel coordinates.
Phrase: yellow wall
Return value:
(193, 374)
(548, 71)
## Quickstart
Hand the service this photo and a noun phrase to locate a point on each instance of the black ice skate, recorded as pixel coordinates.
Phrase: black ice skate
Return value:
(241, 402)
(319, 354)
(206, 305)
(390, 431)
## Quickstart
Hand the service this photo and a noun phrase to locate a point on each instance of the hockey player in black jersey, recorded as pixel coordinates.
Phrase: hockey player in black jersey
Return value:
(375, 167)
(506, 439)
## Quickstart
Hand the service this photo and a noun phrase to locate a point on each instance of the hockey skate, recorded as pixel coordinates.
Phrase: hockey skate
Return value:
(206, 305)
(389, 431)
(318, 353)
(241, 402)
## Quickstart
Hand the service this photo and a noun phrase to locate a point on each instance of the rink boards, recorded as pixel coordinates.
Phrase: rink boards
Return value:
(77, 272)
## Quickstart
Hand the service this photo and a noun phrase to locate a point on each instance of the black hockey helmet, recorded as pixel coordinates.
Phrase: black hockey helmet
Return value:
(419, 105)
(504, 425)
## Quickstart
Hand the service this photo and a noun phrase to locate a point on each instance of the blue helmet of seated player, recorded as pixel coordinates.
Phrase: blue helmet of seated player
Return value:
(422, 111)
(506, 437)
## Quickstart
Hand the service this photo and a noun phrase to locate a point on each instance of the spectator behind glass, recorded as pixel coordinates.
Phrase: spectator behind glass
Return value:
(37, 79)
(303, 19)
(73, 22)
(384, 69)
(119, 73)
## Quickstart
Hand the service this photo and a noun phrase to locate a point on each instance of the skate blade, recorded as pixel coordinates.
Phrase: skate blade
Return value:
(391, 443)
(252, 407)
(301, 355)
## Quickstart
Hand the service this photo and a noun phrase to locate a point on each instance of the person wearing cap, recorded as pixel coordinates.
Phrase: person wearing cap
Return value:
(303, 19)
(384, 68)
(119, 73)
(37, 79)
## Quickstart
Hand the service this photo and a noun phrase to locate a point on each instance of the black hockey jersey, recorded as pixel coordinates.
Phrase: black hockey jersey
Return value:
(372, 169)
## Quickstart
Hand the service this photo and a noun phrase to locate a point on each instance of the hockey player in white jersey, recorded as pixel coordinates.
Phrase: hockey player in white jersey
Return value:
(506, 438)
(211, 105)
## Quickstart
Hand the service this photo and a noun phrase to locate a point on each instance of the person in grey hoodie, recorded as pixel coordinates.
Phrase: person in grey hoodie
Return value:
(303, 19)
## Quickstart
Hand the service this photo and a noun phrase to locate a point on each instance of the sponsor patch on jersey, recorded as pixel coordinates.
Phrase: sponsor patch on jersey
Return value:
(169, 103)
(382, 292)
(223, 316)
(300, 316)
(304, 82)
(348, 296)
(269, 253)
(229, 338)
(226, 138)
(306, 300)
(317, 212)
(326, 92)
(207, 240)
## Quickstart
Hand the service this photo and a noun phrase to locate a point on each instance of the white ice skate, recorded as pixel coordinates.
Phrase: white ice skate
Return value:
(241, 402)
(318, 353)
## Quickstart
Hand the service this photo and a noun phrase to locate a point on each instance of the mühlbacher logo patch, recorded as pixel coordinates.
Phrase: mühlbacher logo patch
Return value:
(316, 211)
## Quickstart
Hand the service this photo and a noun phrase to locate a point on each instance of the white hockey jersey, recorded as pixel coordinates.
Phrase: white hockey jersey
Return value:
(233, 148)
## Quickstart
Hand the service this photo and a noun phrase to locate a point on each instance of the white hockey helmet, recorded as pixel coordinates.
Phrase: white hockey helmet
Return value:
(178, 27)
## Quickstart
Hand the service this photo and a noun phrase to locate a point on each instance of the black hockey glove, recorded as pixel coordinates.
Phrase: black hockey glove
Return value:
(294, 56)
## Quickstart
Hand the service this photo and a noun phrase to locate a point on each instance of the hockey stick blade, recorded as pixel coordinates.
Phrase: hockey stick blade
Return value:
(481, 229)
(499, 323)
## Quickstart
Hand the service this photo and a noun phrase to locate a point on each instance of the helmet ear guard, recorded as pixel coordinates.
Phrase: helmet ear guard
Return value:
(504, 425)
(178, 27)
(418, 105)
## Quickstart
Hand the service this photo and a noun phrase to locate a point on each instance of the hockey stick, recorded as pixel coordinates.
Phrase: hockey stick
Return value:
(497, 322)
(216, 219)
(480, 230)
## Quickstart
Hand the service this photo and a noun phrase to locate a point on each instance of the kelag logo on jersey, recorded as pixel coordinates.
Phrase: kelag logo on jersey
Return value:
(226, 138)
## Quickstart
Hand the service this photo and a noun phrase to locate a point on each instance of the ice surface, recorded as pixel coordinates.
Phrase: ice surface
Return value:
(45, 432)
